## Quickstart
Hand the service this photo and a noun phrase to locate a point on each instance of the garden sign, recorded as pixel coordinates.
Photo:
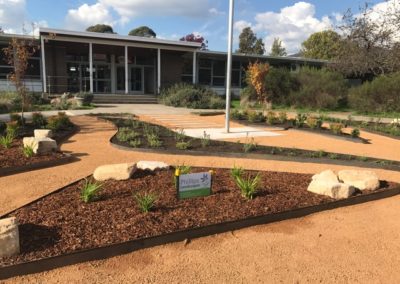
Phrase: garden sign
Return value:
(194, 185)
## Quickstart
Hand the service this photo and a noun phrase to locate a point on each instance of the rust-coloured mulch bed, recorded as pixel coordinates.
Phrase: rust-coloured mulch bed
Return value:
(61, 223)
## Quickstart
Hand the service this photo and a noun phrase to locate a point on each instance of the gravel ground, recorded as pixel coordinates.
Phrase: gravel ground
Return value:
(354, 244)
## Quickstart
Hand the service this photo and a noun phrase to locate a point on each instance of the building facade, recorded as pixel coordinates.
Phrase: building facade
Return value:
(99, 63)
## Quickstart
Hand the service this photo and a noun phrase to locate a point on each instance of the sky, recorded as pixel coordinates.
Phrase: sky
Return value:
(291, 21)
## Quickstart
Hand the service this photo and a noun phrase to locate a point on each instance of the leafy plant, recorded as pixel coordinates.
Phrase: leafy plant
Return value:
(333, 156)
(136, 143)
(249, 145)
(38, 120)
(145, 201)
(248, 186)
(314, 122)
(237, 172)
(255, 116)
(271, 118)
(282, 116)
(90, 190)
(180, 135)
(6, 141)
(12, 129)
(183, 145)
(17, 118)
(300, 120)
(336, 128)
(238, 115)
(59, 122)
(355, 133)
(126, 134)
(183, 169)
(28, 151)
(205, 140)
(153, 140)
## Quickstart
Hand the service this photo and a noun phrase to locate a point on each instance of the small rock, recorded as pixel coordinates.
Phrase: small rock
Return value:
(362, 180)
(327, 176)
(42, 133)
(334, 190)
(9, 237)
(40, 146)
(152, 165)
(115, 172)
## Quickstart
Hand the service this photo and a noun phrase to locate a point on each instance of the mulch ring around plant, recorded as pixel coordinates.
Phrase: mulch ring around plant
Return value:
(61, 223)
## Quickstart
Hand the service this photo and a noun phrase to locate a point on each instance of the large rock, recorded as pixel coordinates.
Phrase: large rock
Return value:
(327, 176)
(40, 146)
(334, 190)
(152, 165)
(42, 133)
(362, 180)
(115, 172)
(9, 237)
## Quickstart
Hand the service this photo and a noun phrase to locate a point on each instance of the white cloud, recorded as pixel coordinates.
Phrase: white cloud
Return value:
(216, 12)
(12, 15)
(240, 25)
(292, 24)
(87, 15)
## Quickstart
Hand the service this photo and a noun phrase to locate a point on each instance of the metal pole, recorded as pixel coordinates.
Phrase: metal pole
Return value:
(194, 76)
(158, 70)
(90, 68)
(43, 66)
(229, 66)
(126, 71)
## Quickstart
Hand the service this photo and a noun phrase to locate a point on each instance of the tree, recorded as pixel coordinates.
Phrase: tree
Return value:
(17, 54)
(370, 45)
(277, 49)
(143, 31)
(196, 38)
(100, 28)
(255, 77)
(322, 45)
(249, 43)
(1, 30)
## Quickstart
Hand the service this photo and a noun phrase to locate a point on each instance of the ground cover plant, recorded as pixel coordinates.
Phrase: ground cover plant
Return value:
(167, 140)
(117, 216)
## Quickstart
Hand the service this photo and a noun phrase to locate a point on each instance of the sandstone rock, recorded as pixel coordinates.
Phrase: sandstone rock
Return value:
(115, 171)
(9, 237)
(362, 180)
(40, 146)
(335, 190)
(42, 133)
(152, 165)
(327, 176)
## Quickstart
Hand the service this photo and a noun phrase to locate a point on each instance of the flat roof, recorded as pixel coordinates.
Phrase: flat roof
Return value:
(266, 57)
(117, 37)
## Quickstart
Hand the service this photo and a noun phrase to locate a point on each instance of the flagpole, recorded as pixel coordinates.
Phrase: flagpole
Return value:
(229, 66)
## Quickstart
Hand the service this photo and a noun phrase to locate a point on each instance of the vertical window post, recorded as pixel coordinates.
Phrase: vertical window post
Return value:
(91, 66)
(126, 71)
(194, 67)
(158, 70)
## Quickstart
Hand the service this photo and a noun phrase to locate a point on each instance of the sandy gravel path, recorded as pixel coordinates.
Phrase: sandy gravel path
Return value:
(354, 244)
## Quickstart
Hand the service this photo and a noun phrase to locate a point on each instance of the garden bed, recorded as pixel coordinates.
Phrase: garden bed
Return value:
(168, 140)
(61, 224)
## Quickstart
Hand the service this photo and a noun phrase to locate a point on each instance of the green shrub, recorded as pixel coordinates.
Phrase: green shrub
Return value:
(301, 118)
(191, 96)
(183, 145)
(180, 135)
(379, 95)
(17, 118)
(38, 120)
(90, 191)
(248, 97)
(12, 128)
(314, 122)
(154, 140)
(59, 122)
(271, 118)
(355, 133)
(336, 128)
(279, 83)
(255, 116)
(237, 115)
(6, 141)
(249, 146)
(135, 143)
(87, 98)
(205, 140)
(248, 186)
(237, 172)
(28, 151)
(319, 89)
(282, 117)
(126, 134)
(183, 170)
(145, 201)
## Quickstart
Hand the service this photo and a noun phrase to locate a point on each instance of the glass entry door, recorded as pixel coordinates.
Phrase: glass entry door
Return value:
(121, 79)
(137, 79)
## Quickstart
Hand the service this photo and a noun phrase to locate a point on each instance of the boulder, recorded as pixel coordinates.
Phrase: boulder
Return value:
(9, 237)
(362, 180)
(115, 172)
(334, 190)
(152, 165)
(327, 176)
(42, 133)
(40, 146)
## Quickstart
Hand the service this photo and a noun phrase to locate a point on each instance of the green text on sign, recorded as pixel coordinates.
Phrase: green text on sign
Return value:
(194, 185)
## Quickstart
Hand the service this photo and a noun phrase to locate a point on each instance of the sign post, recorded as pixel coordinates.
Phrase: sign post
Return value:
(193, 185)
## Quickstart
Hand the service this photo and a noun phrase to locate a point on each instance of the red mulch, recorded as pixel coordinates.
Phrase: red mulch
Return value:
(61, 223)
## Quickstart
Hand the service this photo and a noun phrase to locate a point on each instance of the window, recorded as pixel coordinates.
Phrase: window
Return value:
(33, 70)
(187, 71)
(205, 71)
(218, 73)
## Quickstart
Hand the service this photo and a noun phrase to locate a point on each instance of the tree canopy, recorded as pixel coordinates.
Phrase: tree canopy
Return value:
(249, 43)
(196, 38)
(277, 49)
(322, 45)
(143, 31)
(100, 28)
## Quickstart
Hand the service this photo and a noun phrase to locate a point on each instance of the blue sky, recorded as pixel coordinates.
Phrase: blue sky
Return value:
(291, 21)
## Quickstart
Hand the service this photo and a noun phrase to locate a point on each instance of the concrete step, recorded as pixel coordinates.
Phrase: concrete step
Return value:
(125, 99)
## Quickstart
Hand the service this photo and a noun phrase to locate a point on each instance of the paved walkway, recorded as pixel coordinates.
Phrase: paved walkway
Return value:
(358, 243)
